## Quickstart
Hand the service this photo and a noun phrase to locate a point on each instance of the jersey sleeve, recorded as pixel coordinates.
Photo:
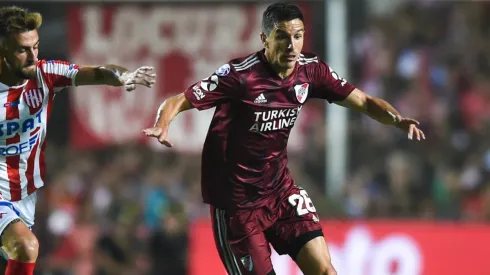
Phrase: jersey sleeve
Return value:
(222, 86)
(327, 84)
(58, 74)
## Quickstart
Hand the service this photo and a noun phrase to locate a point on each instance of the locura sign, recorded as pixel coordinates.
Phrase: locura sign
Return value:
(183, 42)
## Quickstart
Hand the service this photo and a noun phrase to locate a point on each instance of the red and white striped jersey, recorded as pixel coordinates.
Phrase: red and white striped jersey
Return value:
(24, 114)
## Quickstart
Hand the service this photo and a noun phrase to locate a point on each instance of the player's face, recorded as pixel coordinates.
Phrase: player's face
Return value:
(285, 42)
(20, 54)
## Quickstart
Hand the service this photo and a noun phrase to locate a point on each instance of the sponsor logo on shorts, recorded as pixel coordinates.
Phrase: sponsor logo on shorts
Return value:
(247, 262)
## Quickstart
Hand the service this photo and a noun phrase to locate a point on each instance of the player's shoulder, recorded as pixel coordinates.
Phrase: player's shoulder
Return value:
(245, 63)
(48, 65)
(43, 63)
(309, 59)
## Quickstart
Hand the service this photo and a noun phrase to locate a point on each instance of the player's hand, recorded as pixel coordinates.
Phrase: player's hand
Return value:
(160, 133)
(411, 126)
(142, 76)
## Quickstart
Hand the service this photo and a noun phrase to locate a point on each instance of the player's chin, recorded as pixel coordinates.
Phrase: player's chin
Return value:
(28, 72)
(288, 64)
(291, 64)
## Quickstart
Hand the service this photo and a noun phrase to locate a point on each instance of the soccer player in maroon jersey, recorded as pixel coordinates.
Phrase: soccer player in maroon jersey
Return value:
(254, 200)
(27, 90)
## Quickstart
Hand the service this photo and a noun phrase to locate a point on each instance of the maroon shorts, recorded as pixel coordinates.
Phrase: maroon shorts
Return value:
(243, 239)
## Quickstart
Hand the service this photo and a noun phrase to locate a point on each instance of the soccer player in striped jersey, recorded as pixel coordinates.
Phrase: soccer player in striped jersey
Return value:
(27, 90)
(254, 200)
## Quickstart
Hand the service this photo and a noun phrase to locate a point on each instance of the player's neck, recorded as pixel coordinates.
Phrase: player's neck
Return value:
(8, 78)
(282, 73)
(280, 70)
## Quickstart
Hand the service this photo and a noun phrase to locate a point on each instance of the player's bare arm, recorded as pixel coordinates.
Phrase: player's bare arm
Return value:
(382, 111)
(165, 114)
(114, 75)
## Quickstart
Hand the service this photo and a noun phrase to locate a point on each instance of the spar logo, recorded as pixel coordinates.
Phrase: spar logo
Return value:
(10, 128)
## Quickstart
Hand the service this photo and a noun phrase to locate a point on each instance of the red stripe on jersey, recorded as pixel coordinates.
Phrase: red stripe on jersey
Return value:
(30, 166)
(35, 131)
(42, 164)
(13, 161)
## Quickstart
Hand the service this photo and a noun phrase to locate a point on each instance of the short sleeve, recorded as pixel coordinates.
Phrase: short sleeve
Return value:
(221, 87)
(58, 74)
(327, 84)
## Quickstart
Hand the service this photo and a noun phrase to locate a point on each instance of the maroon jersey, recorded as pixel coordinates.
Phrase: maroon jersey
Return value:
(244, 159)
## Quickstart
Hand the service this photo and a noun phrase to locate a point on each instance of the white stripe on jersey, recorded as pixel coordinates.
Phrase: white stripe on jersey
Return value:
(38, 181)
(252, 61)
(304, 61)
(4, 185)
(308, 59)
(56, 68)
(245, 61)
(248, 66)
(23, 112)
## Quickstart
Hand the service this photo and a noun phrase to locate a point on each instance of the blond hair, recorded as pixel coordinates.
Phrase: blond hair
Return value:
(14, 20)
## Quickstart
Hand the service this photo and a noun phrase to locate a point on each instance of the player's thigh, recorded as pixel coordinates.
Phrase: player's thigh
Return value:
(314, 258)
(250, 255)
(297, 230)
(296, 223)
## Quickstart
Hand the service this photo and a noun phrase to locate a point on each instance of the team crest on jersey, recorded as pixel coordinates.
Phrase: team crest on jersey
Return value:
(247, 262)
(34, 97)
(301, 92)
(223, 70)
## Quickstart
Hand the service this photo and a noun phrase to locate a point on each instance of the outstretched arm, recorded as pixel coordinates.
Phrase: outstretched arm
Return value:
(114, 75)
(169, 109)
(221, 87)
(381, 111)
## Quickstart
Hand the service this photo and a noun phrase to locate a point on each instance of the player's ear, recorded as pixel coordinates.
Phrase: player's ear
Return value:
(263, 38)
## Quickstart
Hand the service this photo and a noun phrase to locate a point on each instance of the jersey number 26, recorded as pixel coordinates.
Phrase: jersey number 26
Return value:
(302, 202)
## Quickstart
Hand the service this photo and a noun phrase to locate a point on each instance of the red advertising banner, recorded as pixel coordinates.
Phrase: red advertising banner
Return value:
(184, 42)
(375, 248)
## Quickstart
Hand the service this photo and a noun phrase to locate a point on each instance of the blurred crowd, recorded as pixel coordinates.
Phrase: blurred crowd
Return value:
(433, 62)
(112, 211)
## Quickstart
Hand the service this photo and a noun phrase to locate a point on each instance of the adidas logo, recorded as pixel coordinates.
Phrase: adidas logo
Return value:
(260, 99)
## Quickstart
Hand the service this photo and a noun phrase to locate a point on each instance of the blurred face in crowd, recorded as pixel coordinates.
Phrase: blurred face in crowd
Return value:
(284, 44)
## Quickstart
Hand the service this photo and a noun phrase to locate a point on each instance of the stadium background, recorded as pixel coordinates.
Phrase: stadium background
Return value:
(116, 204)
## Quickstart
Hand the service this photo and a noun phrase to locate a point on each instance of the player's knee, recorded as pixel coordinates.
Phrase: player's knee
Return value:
(24, 249)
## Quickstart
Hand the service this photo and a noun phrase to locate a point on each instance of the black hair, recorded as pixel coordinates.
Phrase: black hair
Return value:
(279, 12)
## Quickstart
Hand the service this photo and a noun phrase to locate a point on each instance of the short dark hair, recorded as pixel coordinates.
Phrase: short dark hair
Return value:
(14, 20)
(279, 12)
